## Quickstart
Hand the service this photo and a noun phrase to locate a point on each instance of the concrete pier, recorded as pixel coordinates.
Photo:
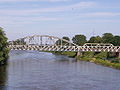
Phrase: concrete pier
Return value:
(118, 54)
(79, 53)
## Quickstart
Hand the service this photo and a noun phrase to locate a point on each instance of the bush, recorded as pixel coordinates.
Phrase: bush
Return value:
(88, 54)
(115, 61)
(69, 54)
(101, 55)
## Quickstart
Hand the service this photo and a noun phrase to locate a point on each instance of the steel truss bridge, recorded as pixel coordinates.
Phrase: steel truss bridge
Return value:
(51, 43)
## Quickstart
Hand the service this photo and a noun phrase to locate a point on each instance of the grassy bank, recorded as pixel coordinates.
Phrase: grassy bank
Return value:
(97, 58)
(101, 62)
(3, 62)
(100, 59)
(69, 54)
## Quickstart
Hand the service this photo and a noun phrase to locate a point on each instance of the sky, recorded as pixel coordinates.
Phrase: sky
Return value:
(21, 18)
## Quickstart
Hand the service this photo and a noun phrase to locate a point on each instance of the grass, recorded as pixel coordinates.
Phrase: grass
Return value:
(69, 54)
(101, 62)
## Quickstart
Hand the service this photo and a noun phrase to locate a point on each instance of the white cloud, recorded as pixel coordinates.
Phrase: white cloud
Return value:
(79, 5)
(13, 16)
(34, 0)
(100, 21)
(99, 14)
(19, 21)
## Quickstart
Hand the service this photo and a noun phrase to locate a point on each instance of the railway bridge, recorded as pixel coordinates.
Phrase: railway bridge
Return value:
(52, 43)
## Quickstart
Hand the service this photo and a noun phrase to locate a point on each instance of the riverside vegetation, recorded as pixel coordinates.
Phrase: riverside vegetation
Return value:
(101, 58)
(97, 58)
(3, 48)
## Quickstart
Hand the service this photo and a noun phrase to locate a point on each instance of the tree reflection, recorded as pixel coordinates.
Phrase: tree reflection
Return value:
(3, 77)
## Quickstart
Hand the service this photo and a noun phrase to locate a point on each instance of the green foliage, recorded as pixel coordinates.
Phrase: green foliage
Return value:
(88, 54)
(70, 54)
(116, 40)
(101, 55)
(67, 53)
(66, 38)
(19, 42)
(3, 46)
(115, 61)
(96, 39)
(79, 40)
(59, 42)
(107, 38)
(101, 62)
(114, 65)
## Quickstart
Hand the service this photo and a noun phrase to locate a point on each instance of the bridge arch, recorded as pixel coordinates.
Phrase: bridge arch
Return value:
(43, 40)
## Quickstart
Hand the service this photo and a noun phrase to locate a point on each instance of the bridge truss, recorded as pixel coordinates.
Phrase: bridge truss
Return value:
(51, 43)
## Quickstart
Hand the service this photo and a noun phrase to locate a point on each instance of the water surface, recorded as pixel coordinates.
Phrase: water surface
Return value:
(32, 70)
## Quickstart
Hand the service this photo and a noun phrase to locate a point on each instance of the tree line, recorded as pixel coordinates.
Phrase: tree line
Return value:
(80, 39)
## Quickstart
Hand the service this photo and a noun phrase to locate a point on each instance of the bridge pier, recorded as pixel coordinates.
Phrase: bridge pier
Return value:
(118, 54)
(79, 53)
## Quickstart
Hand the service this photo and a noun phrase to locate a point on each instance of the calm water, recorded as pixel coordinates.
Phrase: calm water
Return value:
(31, 70)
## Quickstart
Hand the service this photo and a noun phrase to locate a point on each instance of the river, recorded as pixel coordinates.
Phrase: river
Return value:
(32, 70)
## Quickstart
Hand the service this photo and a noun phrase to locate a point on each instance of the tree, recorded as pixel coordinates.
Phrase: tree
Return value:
(66, 38)
(96, 39)
(3, 46)
(58, 42)
(107, 38)
(79, 39)
(18, 42)
(116, 40)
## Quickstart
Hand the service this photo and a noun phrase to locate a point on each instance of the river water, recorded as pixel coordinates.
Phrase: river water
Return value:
(32, 70)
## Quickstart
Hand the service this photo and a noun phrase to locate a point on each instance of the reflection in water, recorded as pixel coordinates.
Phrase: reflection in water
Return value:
(31, 70)
(3, 77)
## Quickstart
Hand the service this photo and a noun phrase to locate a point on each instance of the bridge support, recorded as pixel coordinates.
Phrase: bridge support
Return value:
(79, 53)
(118, 54)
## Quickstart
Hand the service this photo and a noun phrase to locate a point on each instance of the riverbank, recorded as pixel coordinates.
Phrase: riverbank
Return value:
(3, 62)
(69, 54)
(4, 58)
(102, 62)
(4, 51)
(94, 58)
(102, 58)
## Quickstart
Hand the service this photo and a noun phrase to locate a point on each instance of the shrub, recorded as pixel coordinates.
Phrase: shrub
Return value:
(101, 55)
(88, 54)
(70, 54)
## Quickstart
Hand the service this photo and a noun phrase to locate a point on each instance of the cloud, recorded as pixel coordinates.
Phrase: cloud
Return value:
(100, 21)
(18, 16)
(99, 14)
(34, 0)
(21, 21)
(80, 5)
